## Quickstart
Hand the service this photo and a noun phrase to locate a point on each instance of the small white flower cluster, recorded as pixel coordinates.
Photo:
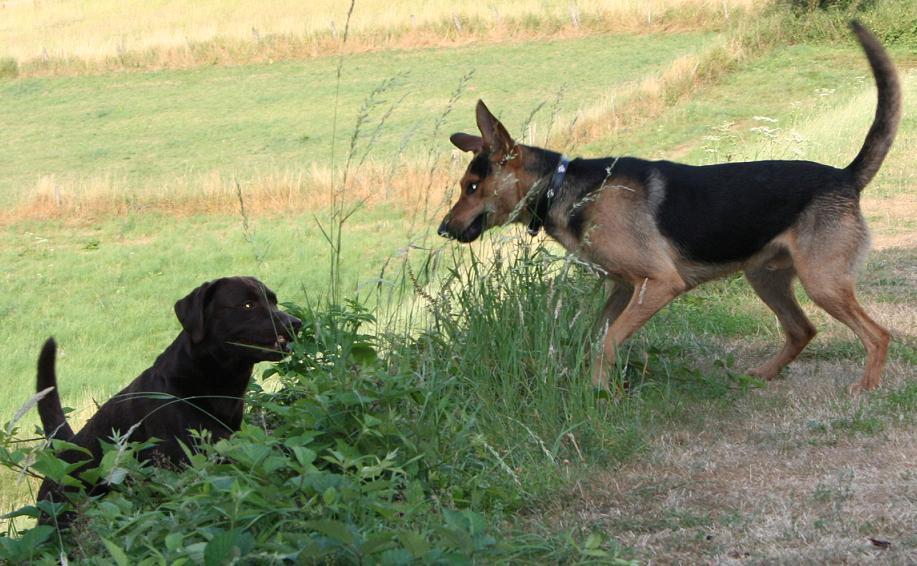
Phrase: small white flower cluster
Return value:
(319, 360)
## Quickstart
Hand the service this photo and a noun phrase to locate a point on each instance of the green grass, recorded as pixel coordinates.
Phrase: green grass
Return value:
(789, 85)
(106, 291)
(477, 415)
(153, 129)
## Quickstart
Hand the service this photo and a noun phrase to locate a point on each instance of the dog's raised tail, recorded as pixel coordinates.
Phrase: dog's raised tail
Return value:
(888, 110)
(52, 415)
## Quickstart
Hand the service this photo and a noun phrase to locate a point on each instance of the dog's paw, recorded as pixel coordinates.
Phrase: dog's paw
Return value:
(763, 372)
(858, 387)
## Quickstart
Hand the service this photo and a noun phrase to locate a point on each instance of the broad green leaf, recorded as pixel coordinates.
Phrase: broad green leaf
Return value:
(376, 542)
(415, 543)
(173, 541)
(222, 548)
(396, 557)
(25, 511)
(334, 530)
(116, 552)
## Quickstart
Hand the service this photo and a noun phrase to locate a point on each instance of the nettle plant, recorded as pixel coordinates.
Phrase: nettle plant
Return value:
(326, 466)
(369, 444)
(337, 461)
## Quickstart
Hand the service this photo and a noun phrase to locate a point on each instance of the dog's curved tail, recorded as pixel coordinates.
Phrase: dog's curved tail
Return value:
(888, 110)
(52, 415)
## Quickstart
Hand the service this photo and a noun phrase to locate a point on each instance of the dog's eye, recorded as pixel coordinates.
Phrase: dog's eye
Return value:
(472, 187)
(248, 305)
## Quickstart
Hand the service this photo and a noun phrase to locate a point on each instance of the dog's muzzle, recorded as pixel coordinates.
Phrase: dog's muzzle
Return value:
(469, 234)
(444, 229)
(291, 326)
(282, 345)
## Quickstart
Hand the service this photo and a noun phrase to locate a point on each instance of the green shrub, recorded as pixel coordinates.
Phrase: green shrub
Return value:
(893, 21)
(371, 446)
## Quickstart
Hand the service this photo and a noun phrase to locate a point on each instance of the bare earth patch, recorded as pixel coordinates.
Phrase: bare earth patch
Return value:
(780, 479)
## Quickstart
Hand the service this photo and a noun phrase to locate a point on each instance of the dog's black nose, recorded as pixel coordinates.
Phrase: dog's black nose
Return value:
(295, 323)
(444, 229)
(290, 323)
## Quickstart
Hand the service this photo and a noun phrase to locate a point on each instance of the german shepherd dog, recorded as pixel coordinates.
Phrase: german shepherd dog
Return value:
(658, 228)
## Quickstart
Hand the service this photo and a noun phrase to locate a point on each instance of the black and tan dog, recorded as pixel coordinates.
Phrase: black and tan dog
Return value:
(197, 383)
(659, 228)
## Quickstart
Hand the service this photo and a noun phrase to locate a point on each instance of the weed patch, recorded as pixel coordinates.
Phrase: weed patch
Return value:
(381, 445)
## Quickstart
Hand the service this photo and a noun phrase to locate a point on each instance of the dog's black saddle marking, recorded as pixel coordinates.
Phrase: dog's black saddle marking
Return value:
(727, 212)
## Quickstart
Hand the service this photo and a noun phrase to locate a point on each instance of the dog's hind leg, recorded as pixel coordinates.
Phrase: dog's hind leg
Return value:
(647, 297)
(775, 287)
(827, 265)
(838, 298)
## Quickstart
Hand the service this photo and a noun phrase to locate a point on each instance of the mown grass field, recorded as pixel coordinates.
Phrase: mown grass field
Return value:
(103, 280)
(130, 134)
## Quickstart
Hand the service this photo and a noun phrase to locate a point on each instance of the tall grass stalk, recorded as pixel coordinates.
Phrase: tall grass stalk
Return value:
(337, 216)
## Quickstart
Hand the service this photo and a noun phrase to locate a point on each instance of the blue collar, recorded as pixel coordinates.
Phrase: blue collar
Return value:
(546, 198)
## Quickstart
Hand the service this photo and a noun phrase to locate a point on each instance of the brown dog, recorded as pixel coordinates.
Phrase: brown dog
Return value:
(196, 384)
(659, 228)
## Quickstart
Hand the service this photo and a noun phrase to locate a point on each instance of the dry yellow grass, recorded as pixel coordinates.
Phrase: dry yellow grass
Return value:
(292, 191)
(759, 486)
(58, 37)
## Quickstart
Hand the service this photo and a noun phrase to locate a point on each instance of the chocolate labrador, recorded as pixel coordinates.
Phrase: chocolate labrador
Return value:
(198, 383)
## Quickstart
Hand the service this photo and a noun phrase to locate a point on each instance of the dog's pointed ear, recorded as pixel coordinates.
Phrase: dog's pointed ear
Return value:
(495, 136)
(190, 311)
(467, 142)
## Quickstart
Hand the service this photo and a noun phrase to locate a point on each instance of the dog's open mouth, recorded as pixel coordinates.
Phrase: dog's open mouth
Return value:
(283, 345)
(473, 230)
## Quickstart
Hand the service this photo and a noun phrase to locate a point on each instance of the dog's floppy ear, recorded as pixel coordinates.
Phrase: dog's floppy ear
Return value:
(493, 133)
(190, 311)
(467, 142)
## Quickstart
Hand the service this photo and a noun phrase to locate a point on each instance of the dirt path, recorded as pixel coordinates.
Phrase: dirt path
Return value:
(794, 473)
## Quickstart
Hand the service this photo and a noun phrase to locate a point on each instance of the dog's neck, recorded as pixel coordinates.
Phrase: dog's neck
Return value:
(194, 368)
(538, 169)
(544, 202)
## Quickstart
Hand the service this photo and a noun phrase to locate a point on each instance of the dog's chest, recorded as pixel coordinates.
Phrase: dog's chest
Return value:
(564, 236)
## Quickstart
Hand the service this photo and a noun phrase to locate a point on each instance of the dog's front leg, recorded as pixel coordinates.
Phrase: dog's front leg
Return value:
(645, 299)
(621, 292)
